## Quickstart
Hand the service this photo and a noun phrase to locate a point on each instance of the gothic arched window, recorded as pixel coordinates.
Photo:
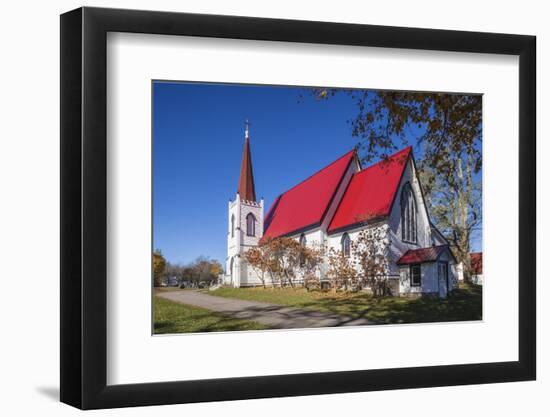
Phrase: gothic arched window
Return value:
(303, 241)
(232, 225)
(408, 214)
(346, 245)
(250, 225)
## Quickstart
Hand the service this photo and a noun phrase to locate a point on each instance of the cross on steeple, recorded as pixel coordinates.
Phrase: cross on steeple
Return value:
(246, 126)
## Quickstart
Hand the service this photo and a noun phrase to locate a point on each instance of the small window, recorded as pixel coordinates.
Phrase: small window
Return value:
(416, 277)
(232, 225)
(250, 225)
(303, 241)
(346, 245)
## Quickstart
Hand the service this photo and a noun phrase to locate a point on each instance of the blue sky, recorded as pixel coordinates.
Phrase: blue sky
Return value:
(198, 135)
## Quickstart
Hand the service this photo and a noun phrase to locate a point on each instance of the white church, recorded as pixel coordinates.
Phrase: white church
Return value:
(332, 206)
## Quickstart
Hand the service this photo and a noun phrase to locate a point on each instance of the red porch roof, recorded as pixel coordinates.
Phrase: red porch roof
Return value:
(371, 192)
(416, 256)
(305, 204)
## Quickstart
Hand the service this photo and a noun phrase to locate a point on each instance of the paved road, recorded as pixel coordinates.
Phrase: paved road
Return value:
(274, 316)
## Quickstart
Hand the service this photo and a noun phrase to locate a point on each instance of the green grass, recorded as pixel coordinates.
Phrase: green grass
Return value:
(171, 317)
(462, 305)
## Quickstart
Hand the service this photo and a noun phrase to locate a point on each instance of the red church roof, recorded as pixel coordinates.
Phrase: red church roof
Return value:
(371, 192)
(306, 204)
(416, 256)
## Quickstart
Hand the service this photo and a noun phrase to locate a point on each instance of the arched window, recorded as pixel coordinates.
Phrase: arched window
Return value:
(232, 225)
(408, 214)
(346, 245)
(250, 225)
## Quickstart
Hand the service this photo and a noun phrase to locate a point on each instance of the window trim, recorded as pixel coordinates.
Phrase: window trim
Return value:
(409, 215)
(419, 275)
(250, 224)
(345, 237)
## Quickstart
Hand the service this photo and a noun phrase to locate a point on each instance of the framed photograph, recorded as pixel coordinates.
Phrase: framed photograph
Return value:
(257, 208)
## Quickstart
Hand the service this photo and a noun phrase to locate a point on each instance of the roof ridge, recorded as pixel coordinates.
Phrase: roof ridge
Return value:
(316, 172)
(427, 248)
(305, 204)
(393, 159)
(388, 157)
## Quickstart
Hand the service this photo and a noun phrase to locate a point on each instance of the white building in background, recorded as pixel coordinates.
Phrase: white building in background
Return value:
(476, 268)
(332, 206)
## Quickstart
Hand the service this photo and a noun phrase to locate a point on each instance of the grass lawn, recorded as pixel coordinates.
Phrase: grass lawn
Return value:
(171, 317)
(463, 304)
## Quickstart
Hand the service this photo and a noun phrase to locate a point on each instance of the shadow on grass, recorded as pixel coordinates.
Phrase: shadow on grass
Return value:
(463, 304)
(308, 310)
(171, 317)
(211, 322)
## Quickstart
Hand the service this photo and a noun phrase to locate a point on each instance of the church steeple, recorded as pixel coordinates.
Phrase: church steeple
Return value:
(245, 224)
(246, 181)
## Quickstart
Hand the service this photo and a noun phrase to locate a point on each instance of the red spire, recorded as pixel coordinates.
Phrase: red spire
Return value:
(246, 181)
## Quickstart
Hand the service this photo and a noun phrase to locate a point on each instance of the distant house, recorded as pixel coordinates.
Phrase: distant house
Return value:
(171, 281)
(476, 262)
(332, 206)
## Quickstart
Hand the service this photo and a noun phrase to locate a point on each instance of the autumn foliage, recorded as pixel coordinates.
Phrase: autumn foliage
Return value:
(282, 262)
(285, 262)
(447, 134)
(159, 264)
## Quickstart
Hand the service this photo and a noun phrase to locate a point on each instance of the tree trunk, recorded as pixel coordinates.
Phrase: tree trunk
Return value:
(464, 192)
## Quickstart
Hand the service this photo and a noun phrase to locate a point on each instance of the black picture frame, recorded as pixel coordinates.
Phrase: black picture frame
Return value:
(84, 207)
